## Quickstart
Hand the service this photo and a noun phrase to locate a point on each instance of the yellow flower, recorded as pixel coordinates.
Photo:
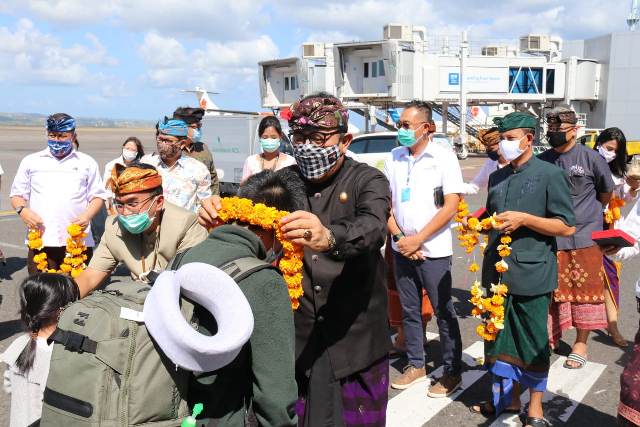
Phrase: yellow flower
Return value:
(474, 267)
(502, 266)
(473, 223)
(505, 240)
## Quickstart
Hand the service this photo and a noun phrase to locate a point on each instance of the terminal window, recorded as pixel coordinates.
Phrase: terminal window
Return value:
(525, 80)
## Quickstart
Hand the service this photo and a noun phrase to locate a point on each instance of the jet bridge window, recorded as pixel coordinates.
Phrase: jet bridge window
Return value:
(551, 81)
(381, 68)
(525, 80)
(374, 69)
(366, 69)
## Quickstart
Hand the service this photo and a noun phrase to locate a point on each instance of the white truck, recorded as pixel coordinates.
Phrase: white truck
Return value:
(232, 138)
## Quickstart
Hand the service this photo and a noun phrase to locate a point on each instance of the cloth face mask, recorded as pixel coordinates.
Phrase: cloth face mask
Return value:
(510, 150)
(314, 162)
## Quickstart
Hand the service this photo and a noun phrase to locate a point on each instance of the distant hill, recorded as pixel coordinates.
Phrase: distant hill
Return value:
(34, 119)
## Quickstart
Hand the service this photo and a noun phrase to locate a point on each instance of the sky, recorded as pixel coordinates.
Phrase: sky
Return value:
(130, 59)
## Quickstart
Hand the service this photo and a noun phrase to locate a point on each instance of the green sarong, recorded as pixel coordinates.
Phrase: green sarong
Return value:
(524, 341)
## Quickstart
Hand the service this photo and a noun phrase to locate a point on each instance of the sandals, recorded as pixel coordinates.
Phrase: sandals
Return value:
(575, 357)
(488, 410)
(537, 422)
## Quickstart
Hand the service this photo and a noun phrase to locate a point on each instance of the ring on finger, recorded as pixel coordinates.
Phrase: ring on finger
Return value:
(308, 234)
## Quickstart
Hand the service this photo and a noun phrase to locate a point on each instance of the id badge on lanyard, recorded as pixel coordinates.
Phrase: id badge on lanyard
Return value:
(405, 194)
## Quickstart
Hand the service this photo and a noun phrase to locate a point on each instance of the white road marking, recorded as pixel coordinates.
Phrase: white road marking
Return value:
(564, 384)
(412, 407)
(11, 245)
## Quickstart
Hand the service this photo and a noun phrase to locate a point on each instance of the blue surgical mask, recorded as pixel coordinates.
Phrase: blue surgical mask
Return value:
(60, 148)
(407, 137)
(197, 135)
(270, 145)
(136, 223)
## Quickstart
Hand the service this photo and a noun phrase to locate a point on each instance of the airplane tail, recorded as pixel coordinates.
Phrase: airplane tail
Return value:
(204, 101)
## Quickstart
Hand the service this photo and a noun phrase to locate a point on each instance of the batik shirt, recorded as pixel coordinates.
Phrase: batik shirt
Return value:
(186, 183)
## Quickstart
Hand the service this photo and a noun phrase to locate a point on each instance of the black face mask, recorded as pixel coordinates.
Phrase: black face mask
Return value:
(557, 139)
(493, 155)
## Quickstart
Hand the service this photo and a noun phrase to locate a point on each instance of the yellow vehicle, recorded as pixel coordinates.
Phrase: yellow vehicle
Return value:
(589, 139)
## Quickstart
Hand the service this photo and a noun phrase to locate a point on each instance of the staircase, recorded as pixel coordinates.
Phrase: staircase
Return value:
(453, 115)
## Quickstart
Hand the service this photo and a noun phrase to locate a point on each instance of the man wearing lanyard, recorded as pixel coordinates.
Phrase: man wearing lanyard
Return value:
(425, 182)
(146, 232)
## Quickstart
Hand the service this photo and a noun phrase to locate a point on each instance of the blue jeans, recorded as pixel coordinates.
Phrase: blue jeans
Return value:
(434, 276)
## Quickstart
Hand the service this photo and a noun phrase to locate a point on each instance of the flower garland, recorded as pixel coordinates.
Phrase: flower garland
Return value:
(489, 309)
(612, 213)
(268, 218)
(75, 256)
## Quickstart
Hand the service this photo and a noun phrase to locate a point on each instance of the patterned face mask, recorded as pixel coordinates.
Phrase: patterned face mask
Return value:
(314, 162)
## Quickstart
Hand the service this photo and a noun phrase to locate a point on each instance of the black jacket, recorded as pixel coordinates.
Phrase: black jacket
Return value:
(344, 307)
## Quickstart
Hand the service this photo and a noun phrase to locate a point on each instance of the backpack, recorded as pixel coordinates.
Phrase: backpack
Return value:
(105, 368)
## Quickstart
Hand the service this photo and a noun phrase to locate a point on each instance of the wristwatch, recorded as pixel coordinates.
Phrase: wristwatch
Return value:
(397, 237)
(19, 209)
(332, 241)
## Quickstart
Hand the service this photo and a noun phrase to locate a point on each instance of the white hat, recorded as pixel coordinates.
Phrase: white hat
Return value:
(217, 293)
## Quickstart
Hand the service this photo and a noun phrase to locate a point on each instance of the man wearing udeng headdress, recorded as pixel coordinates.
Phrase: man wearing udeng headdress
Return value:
(341, 344)
(146, 232)
(56, 187)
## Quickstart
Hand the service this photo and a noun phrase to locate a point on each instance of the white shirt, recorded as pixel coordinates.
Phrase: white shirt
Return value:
(417, 179)
(26, 389)
(253, 164)
(58, 190)
(482, 177)
(621, 189)
(1, 170)
(631, 226)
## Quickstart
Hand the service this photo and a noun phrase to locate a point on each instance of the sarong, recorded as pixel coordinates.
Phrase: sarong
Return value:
(629, 407)
(395, 309)
(612, 278)
(521, 350)
(580, 276)
(566, 315)
(359, 400)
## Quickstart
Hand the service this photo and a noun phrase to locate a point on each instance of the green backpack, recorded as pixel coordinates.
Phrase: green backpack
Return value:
(105, 368)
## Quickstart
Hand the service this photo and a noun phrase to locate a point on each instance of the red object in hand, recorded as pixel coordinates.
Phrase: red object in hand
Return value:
(613, 238)
(480, 214)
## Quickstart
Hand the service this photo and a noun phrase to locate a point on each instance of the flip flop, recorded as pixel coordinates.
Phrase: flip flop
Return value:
(488, 410)
(537, 422)
(575, 357)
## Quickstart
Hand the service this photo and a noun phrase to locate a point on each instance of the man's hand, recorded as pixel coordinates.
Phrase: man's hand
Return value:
(31, 218)
(417, 256)
(510, 221)
(295, 225)
(610, 250)
(409, 245)
(208, 212)
(82, 220)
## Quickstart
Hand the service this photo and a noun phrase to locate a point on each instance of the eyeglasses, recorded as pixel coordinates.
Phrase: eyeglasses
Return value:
(316, 138)
(168, 141)
(408, 125)
(132, 205)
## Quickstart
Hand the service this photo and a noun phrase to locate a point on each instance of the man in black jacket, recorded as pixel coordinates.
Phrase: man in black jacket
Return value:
(341, 325)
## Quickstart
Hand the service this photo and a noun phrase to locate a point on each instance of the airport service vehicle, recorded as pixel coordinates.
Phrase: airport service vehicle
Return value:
(373, 148)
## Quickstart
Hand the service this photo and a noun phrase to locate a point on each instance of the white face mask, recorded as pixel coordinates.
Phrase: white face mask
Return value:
(129, 155)
(609, 156)
(511, 150)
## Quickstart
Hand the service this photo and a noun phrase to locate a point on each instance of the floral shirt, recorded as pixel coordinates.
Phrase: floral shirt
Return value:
(185, 183)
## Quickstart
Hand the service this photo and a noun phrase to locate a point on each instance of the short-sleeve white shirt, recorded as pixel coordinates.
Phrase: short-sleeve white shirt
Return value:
(58, 190)
(418, 178)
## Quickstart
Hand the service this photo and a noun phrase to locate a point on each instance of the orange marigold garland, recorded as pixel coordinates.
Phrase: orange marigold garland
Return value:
(489, 309)
(74, 259)
(612, 213)
(268, 218)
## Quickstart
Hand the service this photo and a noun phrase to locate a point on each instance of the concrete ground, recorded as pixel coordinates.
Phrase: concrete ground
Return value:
(580, 398)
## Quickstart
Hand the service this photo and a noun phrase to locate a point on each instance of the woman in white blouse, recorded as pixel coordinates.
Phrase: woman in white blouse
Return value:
(132, 151)
(270, 133)
(612, 146)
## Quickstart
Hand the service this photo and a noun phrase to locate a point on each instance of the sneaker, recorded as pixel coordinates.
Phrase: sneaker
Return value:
(411, 375)
(445, 386)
